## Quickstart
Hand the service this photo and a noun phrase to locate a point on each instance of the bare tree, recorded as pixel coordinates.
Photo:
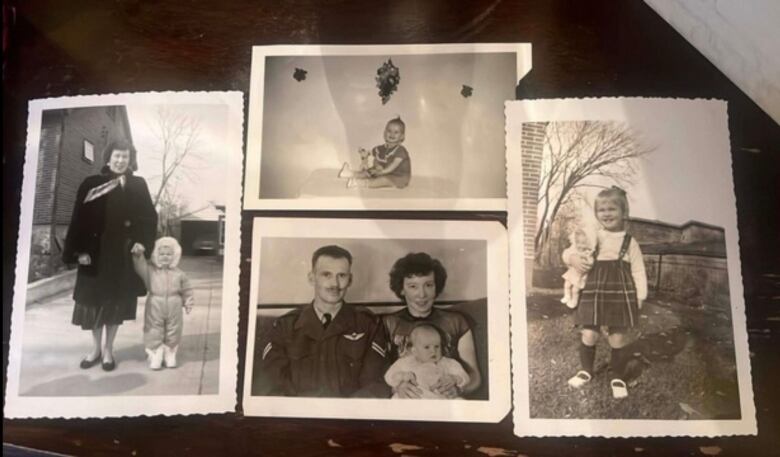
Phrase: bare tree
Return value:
(171, 208)
(177, 134)
(579, 155)
(567, 220)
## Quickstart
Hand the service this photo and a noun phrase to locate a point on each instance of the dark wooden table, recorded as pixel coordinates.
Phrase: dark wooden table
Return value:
(595, 48)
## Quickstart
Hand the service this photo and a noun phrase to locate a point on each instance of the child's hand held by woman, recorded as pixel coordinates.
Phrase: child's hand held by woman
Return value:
(188, 304)
(138, 249)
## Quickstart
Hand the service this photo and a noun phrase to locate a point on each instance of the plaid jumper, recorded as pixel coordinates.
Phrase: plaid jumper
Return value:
(610, 295)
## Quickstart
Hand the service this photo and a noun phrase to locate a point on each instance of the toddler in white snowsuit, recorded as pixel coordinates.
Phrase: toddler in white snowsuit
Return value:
(169, 291)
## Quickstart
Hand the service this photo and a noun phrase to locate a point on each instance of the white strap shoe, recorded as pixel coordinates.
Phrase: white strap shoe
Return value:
(580, 379)
(619, 388)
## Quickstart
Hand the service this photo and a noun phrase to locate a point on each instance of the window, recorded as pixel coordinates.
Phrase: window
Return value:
(89, 152)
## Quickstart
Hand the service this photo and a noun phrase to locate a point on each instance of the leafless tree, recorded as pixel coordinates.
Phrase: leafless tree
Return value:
(176, 134)
(567, 220)
(171, 208)
(578, 155)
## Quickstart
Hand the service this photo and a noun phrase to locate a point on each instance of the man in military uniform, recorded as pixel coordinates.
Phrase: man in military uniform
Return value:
(326, 348)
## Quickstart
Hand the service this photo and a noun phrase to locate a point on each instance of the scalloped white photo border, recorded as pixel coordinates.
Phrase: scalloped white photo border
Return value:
(493, 409)
(621, 109)
(225, 399)
(252, 198)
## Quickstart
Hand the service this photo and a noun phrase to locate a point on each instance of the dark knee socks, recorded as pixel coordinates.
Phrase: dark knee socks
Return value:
(618, 361)
(587, 356)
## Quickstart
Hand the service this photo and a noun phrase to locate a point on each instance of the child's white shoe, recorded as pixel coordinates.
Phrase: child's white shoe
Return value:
(565, 300)
(580, 379)
(346, 171)
(155, 358)
(170, 356)
(619, 389)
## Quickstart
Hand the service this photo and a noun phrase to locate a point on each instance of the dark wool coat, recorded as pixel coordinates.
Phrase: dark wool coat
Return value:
(106, 229)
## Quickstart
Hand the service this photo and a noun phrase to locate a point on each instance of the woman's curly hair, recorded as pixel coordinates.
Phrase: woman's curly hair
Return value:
(416, 264)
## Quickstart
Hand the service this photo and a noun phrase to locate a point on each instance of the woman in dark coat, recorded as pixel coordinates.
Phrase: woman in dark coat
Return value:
(113, 212)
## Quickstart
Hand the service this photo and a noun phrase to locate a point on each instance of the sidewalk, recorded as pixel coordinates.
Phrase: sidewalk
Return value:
(52, 347)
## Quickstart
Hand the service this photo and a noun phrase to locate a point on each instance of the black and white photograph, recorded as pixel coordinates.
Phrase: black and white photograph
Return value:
(378, 319)
(380, 127)
(126, 293)
(632, 310)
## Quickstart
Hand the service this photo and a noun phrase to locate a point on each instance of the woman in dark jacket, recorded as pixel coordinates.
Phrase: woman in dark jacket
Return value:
(113, 212)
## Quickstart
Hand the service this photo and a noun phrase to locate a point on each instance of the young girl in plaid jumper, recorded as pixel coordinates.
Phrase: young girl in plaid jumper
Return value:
(613, 293)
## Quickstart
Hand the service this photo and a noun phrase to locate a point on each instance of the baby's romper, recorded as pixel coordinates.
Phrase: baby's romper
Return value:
(401, 176)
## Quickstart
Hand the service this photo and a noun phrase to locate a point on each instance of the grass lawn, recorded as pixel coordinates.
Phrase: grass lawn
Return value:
(683, 364)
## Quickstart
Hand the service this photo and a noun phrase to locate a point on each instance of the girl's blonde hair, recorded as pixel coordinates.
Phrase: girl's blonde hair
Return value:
(170, 242)
(615, 194)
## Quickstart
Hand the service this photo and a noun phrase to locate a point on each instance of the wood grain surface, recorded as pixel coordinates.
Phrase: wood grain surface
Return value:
(580, 49)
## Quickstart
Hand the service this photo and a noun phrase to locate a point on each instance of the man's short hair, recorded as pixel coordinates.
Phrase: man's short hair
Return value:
(332, 251)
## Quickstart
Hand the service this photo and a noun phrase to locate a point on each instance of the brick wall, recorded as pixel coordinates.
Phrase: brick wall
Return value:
(697, 232)
(532, 144)
(650, 231)
(45, 258)
(95, 125)
(62, 140)
(646, 231)
(51, 131)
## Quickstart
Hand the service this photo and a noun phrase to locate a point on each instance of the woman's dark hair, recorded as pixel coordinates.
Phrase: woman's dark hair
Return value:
(120, 145)
(416, 264)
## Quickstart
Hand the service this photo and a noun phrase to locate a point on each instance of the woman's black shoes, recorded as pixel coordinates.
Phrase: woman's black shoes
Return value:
(85, 363)
(107, 366)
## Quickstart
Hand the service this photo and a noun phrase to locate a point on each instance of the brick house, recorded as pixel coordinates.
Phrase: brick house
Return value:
(685, 262)
(532, 146)
(71, 148)
(653, 232)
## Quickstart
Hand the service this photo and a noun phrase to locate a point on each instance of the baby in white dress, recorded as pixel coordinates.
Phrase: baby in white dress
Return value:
(424, 365)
